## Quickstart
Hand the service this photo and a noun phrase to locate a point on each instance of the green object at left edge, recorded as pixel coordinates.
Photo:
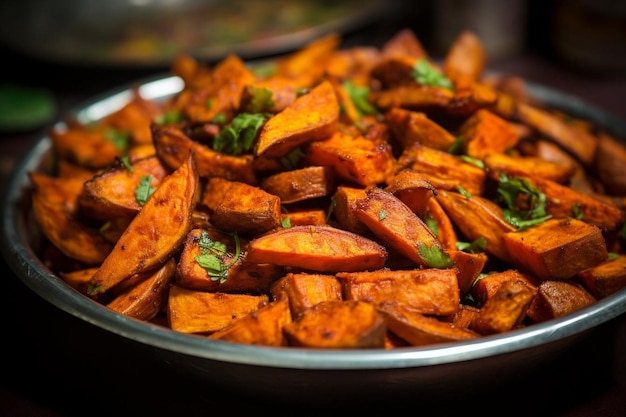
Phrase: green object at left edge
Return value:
(24, 108)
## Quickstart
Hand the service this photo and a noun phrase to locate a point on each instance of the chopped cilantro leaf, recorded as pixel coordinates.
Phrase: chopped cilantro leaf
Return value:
(144, 189)
(435, 257)
(426, 74)
(359, 97)
(239, 136)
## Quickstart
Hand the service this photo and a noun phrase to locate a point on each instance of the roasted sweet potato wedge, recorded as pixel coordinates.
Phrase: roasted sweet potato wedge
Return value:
(413, 189)
(485, 288)
(113, 193)
(476, 218)
(312, 116)
(552, 250)
(410, 127)
(306, 290)
(157, 231)
(465, 60)
(232, 274)
(420, 330)
(355, 159)
(525, 166)
(444, 170)
(262, 327)
(505, 309)
(344, 206)
(338, 325)
(428, 291)
(317, 248)
(173, 148)
(235, 206)
(54, 208)
(300, 184)
(484, 132)
(190, 311)
(579, 142)
(558, 298)
(605, 278)
(399, 228)
(563, 202)
(145, 300)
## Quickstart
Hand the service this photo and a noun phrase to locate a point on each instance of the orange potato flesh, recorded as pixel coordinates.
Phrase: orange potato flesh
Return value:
(312, 116)
(157, 231)
(338, 325)
(317, 248)
(190, 311)
(552, 250)
(428, 291)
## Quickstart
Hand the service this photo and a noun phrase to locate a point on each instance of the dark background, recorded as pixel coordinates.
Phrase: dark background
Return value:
(57, 365)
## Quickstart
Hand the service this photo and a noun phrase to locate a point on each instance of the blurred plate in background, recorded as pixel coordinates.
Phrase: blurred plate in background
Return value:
(151, 32)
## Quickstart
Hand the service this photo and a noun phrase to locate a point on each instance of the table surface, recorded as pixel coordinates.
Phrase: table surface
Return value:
(44, 375)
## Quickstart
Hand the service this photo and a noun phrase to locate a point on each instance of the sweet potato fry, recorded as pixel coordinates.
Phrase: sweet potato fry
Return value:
(300, 184)
(420, 330)
(440, 224)
(468, 267)
(525, 166)
(413, 189)
(317, 248)
(202, 312)
(428, 291)
(344, 209)
(54, 209)
(488, 285)
(146, 299)
(338, 325)
(173, 148)
(575, 140)
(477, 217)
(354, 159)
(237, 206)
(90, 147)
(504, 310)
(112, 193)
(312, 116)
(485, 132)
(399, 228)
(552, 250)
(412, 97)
(306, 290)
(157, 231)
(444, 170)
(465, 60)
(239, 276)
(304, 217)
(558, 298)
(564, 202)
(609, 163)
(605, 278)
(262, 327)
(411, 127)
(221, 95)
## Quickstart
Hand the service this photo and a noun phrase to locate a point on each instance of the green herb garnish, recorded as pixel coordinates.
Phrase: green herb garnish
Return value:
(144, 189)
(434, 256)
(510, 190)
(239, 136)
(426, 74)
(213, 254)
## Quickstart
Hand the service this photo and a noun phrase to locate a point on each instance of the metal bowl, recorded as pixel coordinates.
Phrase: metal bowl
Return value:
(305, 374)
